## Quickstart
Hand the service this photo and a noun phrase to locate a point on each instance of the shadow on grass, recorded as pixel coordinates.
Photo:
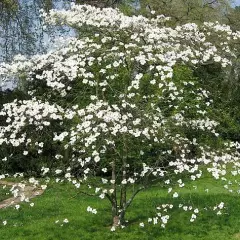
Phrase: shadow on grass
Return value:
(58, 203)
(207, 222)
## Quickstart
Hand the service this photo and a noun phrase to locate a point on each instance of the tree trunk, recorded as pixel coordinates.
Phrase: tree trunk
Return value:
(123, 197)
(119, 220)
(114, 196)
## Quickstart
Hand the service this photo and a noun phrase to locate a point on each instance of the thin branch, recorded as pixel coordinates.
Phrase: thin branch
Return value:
(85, 193)
(128, 203)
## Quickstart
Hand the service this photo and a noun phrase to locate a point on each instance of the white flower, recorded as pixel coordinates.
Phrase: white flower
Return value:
(221, 205)
(141, 224)
(25, 153)
(139, 76)
(104, 170)
(58, 171)
(94, 211)
(193, 216)
(113, 229)
(43, 187)
(102, 196)
(4, 222)
(167, 181)
(196, 210)
(65, 220)
(17, 206)
(96, 159)
(124, 181)
(111, 190)
(89, 209)
(104, 181)
(175, 195)
(67, 175)
(45, 170)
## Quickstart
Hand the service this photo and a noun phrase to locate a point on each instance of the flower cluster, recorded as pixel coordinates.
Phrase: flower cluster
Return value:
(20, 114)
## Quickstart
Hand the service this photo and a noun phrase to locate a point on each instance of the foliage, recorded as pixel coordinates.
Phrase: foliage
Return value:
(233, 17)
(183, 11)
(223, 88)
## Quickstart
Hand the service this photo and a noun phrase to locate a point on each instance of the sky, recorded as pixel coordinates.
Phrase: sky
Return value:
(237, 2)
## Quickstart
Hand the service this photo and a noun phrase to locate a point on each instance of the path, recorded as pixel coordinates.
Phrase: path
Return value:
(28, 191)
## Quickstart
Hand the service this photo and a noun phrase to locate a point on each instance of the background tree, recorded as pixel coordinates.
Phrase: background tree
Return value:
(223, 85)
(233, 17)
(21, 30)
(183, 11)
(100, 3)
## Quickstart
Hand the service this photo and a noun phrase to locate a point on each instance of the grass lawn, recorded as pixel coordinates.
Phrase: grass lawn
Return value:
(60, 202)
(4, 193)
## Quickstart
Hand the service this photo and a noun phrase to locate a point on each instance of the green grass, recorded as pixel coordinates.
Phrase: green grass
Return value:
(60, 202)
(4, 193)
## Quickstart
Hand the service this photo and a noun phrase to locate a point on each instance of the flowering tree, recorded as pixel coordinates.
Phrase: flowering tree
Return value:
(123, 103)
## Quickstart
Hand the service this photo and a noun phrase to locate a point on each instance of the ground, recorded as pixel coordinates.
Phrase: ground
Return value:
(45, 221)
